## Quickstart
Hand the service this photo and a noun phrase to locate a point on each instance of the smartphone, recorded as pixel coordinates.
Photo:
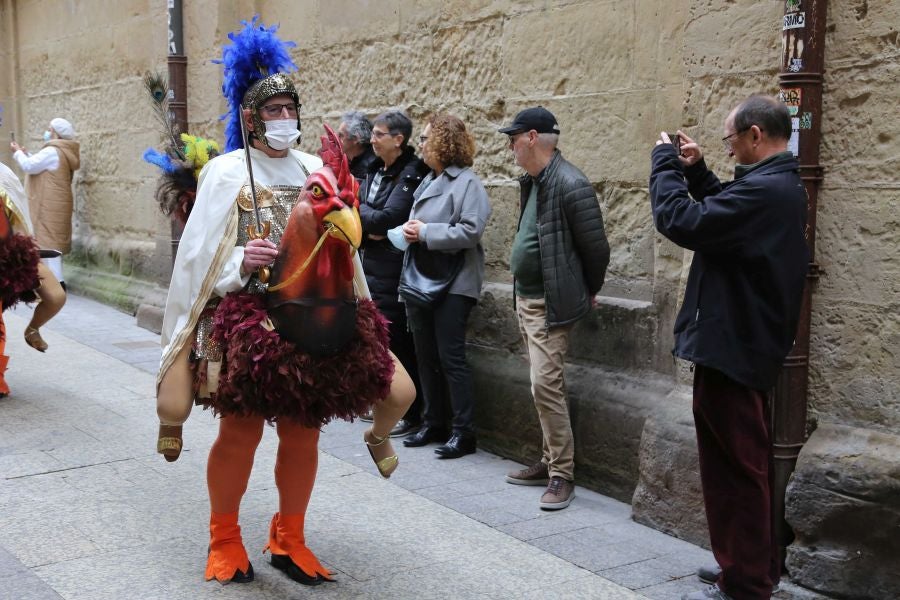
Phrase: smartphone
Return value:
(12, 136)
(676, 141)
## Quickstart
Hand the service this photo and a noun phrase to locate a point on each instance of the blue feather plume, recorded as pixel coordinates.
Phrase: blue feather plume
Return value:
(161, 160)
(255, 52)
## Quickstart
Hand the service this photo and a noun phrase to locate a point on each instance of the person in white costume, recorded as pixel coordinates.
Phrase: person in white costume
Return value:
(218, 289)
(50, 293)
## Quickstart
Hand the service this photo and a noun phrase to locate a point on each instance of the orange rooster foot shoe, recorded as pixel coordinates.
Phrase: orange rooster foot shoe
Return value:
(283, 563)
(33, 338)
(169, 442)
(238, 577)
(227, 560)
(290, 554)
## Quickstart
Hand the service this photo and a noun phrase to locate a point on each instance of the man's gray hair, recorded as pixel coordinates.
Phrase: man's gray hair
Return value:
(358, 126)
(548, 140)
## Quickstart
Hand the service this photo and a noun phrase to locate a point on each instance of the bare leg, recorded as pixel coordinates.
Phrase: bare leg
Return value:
(386, 414)
(52, 299)
(174, 401)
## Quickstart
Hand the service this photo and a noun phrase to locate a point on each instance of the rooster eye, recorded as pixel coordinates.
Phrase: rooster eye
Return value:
(316, 190)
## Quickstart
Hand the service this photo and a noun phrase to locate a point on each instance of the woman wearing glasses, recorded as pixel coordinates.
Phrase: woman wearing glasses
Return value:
(447, 221)
(386, 196)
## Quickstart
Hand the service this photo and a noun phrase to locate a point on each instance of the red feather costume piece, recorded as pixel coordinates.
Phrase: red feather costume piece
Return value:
(264, 374)
(18, 269)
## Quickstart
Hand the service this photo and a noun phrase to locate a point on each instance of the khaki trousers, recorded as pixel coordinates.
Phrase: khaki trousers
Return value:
(547, 350)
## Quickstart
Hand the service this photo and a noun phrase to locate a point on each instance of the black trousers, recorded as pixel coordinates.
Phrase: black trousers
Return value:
(736, 471)
(439, 333)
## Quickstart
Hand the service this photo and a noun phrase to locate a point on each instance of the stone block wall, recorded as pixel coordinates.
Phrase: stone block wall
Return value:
(615, 72)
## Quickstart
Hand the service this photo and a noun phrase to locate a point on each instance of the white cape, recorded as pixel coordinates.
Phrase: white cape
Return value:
(13, 187)
(208, 261)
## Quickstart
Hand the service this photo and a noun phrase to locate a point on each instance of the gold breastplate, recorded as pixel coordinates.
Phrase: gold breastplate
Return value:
(275, 204)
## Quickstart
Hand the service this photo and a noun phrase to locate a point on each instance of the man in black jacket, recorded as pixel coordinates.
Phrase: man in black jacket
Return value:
(355, 132)
(737, 322)
(559, 258)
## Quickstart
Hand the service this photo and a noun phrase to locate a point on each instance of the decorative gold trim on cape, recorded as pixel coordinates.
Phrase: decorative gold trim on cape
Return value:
(223, 251)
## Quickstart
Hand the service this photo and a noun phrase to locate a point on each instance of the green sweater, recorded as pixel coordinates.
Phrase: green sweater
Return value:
(525, 259)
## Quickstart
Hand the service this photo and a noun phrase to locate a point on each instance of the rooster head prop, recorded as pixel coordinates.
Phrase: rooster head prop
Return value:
(311, 300)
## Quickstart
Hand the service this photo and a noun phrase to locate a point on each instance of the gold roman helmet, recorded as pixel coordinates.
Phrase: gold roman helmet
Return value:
(260, 92)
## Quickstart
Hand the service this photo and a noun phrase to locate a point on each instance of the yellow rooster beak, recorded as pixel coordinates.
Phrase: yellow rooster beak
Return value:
(346, 225)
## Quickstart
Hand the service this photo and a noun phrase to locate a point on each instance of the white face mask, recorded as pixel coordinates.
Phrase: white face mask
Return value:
(282, 133)
(395, 235)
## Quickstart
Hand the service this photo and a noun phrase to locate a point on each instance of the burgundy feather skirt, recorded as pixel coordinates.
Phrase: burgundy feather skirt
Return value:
(18, 269)
(265, 375)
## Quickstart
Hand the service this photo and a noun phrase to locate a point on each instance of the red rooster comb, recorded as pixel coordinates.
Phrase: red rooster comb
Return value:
(332, 153)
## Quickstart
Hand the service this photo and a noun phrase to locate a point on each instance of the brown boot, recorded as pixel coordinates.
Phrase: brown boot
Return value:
(227, 560)
(289, 551)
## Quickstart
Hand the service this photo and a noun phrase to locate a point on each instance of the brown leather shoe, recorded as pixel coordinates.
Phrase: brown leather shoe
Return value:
(536, 474)
(559, 494)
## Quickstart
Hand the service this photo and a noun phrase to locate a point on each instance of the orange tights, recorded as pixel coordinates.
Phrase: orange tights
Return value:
(4, 389)
(231, 460)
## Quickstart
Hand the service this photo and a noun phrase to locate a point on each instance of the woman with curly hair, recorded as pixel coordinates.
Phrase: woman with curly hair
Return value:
(449, 213)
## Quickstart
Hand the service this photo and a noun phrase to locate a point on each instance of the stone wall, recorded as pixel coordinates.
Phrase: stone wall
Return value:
(615, 72)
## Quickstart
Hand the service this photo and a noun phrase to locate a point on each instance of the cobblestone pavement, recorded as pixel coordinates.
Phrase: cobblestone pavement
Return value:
(88, 510)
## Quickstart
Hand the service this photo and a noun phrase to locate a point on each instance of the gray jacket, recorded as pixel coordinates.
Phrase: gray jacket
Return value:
(574, 250)
(455, 208)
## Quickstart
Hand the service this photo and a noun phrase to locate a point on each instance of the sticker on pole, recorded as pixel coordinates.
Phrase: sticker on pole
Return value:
(795, 20)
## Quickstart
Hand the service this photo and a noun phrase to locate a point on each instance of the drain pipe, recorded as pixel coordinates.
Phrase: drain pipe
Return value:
(178, 91)
(803, 60)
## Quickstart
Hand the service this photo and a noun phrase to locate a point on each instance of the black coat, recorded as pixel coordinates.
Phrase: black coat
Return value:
(574, 250)
(744, 290)
(362, 163)
(388, 209)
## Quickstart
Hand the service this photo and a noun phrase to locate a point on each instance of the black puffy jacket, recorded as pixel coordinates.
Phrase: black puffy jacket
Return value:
(389, 208)
(742, 300)
(574, 250)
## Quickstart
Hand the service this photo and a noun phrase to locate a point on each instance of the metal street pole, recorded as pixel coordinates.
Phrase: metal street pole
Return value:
(803, 59)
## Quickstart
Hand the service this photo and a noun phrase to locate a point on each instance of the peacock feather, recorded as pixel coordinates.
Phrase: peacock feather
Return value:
(158, 87)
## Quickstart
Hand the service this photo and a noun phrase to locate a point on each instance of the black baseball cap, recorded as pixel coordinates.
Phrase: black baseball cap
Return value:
(538, 118)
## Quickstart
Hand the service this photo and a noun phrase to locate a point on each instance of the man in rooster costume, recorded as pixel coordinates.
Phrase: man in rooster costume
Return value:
(296, 347)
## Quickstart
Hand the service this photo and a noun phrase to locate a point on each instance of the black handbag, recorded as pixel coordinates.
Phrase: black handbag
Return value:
(427, 274)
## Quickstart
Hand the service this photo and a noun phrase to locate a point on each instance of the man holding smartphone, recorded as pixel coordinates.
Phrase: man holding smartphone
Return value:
(737, 322)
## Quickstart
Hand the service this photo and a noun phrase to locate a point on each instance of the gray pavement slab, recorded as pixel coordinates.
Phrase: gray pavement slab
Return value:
(88, 510)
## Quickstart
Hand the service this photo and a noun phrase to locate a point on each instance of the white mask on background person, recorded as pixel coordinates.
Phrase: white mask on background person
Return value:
(47, 136)
(395, 235)
(282, 133)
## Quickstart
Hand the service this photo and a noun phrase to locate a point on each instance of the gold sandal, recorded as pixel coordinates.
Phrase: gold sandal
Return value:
(169, 443)
(33, 338)
(386, 466)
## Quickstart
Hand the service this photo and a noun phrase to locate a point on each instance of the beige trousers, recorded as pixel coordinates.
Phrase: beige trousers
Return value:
(547, 350)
